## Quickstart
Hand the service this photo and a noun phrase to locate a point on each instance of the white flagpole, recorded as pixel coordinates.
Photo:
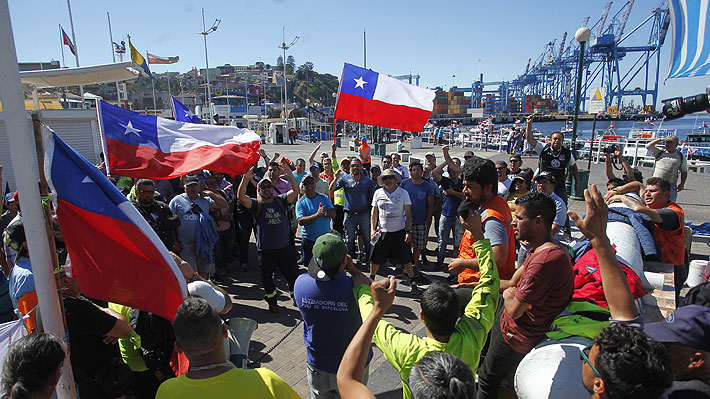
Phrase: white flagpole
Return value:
(113, 56)
(61, 41)
(20, 144)
(76, 51)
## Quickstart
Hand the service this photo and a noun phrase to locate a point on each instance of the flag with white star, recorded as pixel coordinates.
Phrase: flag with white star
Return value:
(108, 241)
(146, 146)
(368, 97)
(182, 113)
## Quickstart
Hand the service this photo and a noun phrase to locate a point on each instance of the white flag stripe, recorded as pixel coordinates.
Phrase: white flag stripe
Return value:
(394, 91)
(176, 136)
(690, 48)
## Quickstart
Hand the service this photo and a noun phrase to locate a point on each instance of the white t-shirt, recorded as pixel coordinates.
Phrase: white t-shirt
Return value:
(391, 208)
(403, 172)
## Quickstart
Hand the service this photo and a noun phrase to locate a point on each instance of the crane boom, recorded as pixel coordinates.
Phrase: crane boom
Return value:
(602, 20)
(562, 45)
(624, 18)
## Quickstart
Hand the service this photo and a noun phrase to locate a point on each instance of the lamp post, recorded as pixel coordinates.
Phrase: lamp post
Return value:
(582, 35)
(229, 108)
(308, 111)
(204, 34)
(285, 47)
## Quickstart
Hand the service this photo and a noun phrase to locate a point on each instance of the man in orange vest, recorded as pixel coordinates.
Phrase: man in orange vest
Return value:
(667, 216)
(481, 189)
(364, 153)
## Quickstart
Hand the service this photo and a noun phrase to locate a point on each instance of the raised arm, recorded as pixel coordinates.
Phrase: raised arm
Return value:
(450, 162)
(352, 365)
(608, 168)
(292, 195)
(437, 172)
(242, 190)
(312, 157)
(529, 132)
(593, 226)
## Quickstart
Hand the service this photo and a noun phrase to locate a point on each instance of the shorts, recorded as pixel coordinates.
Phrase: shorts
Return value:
(419, 236)
(391, 245)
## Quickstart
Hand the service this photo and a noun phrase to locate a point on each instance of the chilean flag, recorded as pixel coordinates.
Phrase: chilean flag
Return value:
(115, 254)
(182, 113)
(67, 41)
(146, 146)
(375, 99)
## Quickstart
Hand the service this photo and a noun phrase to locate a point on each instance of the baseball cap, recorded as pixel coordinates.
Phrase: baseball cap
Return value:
(191, 180)
(307, 177)
(10, 197)
(328, 253)
(546, 175)
(430, 153)
(205, 291)
(15, 234)
(468, 154)
(689, 326)
(316, 165)
(262, 181)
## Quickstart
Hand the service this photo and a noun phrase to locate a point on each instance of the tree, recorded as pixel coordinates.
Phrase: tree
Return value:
(259, 65)
(291, 61)
(280, 61)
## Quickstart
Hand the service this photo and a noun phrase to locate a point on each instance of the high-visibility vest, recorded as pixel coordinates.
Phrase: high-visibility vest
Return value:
(671, 241)
(364, 152)
(498, 208)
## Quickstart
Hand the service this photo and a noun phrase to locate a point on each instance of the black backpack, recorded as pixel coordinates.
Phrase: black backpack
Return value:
(157, 340)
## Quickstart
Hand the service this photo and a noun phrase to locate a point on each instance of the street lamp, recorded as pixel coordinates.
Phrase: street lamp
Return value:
(308, 110)
(226, 89)
(453, 82)
(285, 47)
(582, 35)
(204, 34)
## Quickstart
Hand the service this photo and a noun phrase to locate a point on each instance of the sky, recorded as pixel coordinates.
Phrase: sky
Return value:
(435, 40)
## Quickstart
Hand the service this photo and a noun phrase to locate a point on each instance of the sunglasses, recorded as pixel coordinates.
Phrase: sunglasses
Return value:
(266, 186)
(388, 177)
(584, 355)
(514, 160)
(309, 182)
(501, 168)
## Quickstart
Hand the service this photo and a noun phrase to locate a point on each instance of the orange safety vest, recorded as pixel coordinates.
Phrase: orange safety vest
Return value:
(364, 151)
(497, 208)
(671, 241)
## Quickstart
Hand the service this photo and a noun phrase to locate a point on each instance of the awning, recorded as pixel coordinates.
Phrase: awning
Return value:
(107, 73)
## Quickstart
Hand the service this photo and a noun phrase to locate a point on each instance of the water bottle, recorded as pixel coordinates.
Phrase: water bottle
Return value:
(378, 233)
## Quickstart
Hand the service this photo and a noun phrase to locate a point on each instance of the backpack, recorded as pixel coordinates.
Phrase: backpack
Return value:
(157, 340)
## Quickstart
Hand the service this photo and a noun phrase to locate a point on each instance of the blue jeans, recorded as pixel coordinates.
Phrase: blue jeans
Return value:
(674, 192)
(562, 193)
(324, 385)
(448, 225)
(352, 221)
(307, 251)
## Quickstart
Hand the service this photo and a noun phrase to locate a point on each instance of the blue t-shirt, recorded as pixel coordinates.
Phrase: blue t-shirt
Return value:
(309, 206)
(189, 215)
(22, 281)
(299, 176)
(358, 194)
(450, 204)
(560, 210)
(418, 194)
(331, 318)
(273, 229)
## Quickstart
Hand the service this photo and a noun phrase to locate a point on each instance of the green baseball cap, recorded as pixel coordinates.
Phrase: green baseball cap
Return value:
(328, 254)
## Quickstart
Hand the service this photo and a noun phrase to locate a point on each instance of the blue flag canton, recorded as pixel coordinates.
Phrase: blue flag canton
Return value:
(183, 114)
(79, 183)
(359, 81)
(128, 127)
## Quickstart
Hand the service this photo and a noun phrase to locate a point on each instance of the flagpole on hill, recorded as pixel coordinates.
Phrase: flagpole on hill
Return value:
(19, 140)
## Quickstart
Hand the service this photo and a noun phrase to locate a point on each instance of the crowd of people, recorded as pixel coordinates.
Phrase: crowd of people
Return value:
(513, 279)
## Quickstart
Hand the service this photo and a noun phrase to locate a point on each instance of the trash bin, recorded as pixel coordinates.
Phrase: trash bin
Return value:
(381, 149)
(583, 183)
(337, 142)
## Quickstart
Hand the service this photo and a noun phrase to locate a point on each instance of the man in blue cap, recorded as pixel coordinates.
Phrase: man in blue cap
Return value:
(686, 336)
(331, 316)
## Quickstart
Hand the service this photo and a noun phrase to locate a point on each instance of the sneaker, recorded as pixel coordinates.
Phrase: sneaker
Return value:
(414, 288)
(273, 305)
(372, 277)
(420, 279)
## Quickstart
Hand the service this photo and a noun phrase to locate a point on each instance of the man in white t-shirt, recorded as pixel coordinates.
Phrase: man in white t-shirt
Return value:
(546, 185)
(398, 167)
(504, 181)
(669, 163)
(391, 218)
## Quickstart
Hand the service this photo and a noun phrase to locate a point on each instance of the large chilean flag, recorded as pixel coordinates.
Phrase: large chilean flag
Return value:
(115, 254)
(146, 146)
(371, 98)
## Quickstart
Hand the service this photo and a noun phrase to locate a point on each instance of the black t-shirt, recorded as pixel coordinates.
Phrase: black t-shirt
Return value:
(693, 389)
(87, 324)
(555, 162)
(161, 219)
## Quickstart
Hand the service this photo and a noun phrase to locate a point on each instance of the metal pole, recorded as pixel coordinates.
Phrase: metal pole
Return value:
(152, 84)
(283, 36)
(20, 145)
(577, 95)
(591, 145)
(364, 49)
(76, 51)
(207, 70)
(113, 56)
(61, 45)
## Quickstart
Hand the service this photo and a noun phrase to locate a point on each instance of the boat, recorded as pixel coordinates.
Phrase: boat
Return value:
(603, 139)
(640, 135)
(697, 144)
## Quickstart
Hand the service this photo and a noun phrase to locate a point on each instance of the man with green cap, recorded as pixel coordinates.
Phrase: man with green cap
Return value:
(331, 317)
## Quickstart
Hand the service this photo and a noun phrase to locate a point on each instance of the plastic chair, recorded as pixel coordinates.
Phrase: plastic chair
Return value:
(240, 330)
